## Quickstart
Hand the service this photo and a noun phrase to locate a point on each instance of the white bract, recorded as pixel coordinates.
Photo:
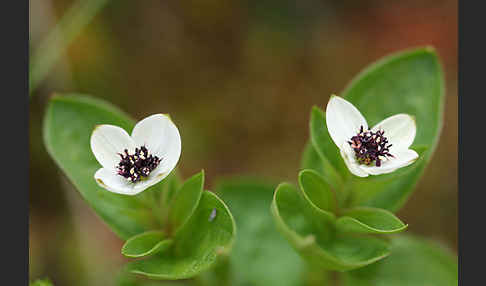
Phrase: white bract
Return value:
(161, 143)
(344, 121)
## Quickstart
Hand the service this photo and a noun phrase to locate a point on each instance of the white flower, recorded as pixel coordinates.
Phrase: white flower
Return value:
(381, 150)
(131, 164)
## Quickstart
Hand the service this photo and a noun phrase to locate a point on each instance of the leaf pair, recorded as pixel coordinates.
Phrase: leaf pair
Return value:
(319, 194)
(195, 246)
(182, 241)
(308, 220)
(181, 206)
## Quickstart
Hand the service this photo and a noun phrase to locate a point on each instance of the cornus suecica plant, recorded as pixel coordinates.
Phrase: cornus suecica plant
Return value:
(133, 163)
(356, 172)
(174, 228)
(379, 150)
(353, 178)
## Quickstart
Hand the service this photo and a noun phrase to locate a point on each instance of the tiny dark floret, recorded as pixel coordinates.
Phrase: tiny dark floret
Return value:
(135, 167)
(370, 146)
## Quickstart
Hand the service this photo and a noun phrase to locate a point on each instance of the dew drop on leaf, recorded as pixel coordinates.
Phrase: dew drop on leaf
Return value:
(212, 215)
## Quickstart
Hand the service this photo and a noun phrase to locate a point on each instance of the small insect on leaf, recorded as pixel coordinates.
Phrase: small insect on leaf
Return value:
(212, 215)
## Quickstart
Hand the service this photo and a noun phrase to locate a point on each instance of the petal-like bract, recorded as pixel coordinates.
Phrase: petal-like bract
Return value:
(399, 129)
(117, 184)
(161, 137)
(343, 120)
(402, 159)
(107, 141)
(349, 159)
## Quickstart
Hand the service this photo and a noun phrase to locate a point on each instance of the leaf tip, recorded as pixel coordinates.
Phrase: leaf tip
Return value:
(316, 110)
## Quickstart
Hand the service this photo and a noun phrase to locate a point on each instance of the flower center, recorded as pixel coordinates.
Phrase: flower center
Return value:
(370, 146)
(135, 167)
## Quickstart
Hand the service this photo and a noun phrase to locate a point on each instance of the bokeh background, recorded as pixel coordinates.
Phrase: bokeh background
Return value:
(239, 79)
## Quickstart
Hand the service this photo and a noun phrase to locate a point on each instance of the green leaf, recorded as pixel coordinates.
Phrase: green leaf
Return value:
(413, 261)
(311, 160)
(317, 191)
(333, 164)
(260, 255)
(68, 125)
(196, 246)
(312, 234)
(146, 243)
(369, 220)
(185, 201)
(408, 82)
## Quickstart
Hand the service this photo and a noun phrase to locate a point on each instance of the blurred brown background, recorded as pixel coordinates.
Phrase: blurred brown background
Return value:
(239, 79)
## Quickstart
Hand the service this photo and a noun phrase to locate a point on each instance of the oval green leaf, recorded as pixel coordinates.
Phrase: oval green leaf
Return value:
(369, 220)
(68, 124)
(317, 191)
(185, 201)
(196, 246)
(413, 261)
(146, 243)
(313, 236)
(408, 82)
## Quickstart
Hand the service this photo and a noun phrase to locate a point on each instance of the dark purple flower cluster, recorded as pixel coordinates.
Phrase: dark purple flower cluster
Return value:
(136, 166)
(369, 146)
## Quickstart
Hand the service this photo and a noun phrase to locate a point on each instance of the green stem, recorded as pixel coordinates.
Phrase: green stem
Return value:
(55, 44)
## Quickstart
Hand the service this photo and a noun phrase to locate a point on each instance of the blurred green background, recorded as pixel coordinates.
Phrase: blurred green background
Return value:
(239, 79)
